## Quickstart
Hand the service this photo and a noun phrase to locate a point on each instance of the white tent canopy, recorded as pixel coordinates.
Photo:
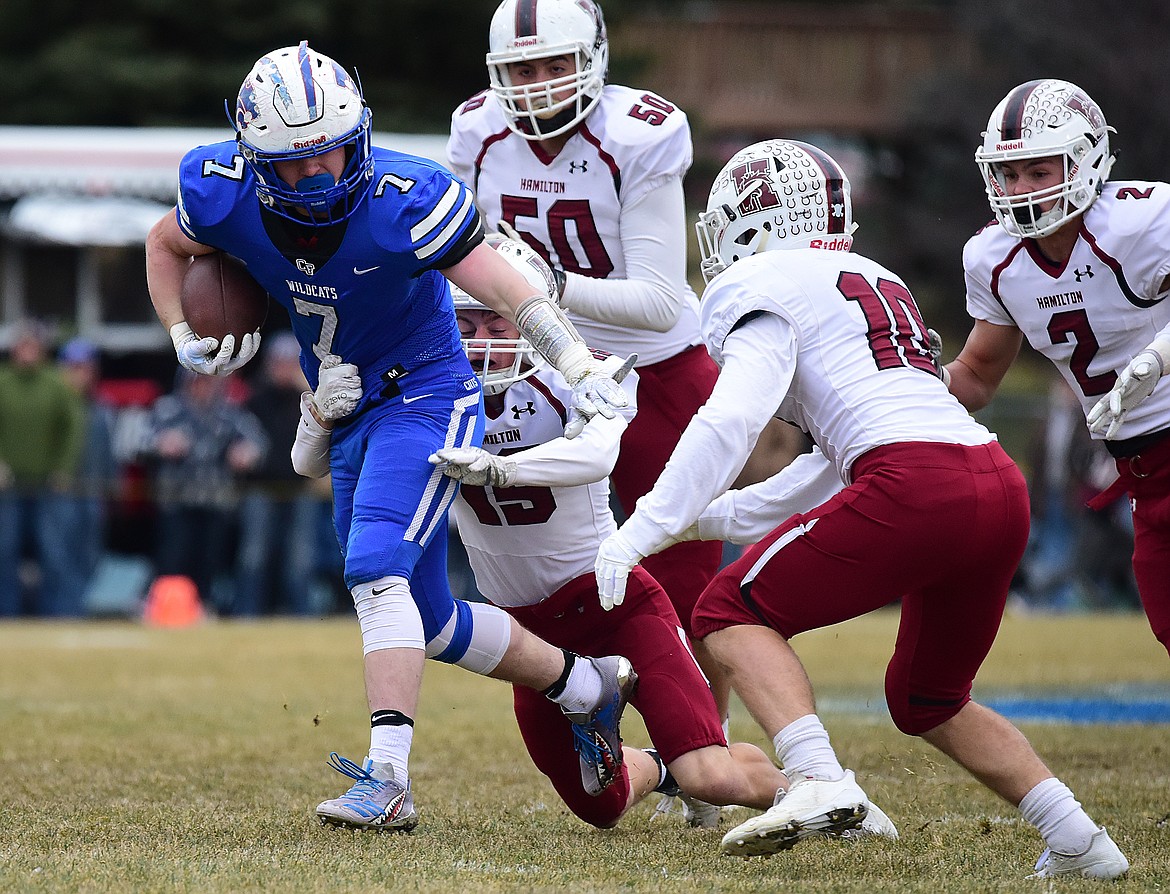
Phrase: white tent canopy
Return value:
(84, 220)
(128, 161)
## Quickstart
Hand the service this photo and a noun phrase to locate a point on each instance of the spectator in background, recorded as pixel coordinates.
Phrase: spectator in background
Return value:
(277, 557)
(41, 433)
(198, 444)
(1077, 557)
(97, 469)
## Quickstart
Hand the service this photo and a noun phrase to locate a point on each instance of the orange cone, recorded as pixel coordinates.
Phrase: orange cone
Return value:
(173, 601)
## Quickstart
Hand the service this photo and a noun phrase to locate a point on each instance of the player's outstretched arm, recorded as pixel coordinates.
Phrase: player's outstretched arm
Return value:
(1134, 384)
(339, 390)
(976, 373)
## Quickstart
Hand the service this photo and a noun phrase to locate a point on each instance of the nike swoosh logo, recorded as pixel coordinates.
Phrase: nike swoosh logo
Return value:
(367, 270)
(381, 591)
(410, 400)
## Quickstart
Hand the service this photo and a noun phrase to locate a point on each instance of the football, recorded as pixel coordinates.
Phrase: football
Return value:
(219, 296)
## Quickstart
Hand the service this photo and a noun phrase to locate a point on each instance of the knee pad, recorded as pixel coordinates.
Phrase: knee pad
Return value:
(475, 638)
(388, 616)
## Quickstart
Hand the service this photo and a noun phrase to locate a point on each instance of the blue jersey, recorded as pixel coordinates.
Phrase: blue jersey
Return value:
(368, 288)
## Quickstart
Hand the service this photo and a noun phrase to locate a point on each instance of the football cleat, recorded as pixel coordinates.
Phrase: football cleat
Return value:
(1103, 859)
(375, 801)
(875, 825)
(809, 808)
(596, 736)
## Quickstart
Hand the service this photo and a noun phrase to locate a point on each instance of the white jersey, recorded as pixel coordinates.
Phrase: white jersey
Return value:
(632, 142)
(1091, 315)
(861, 377)
(827, 340)
(527, 541)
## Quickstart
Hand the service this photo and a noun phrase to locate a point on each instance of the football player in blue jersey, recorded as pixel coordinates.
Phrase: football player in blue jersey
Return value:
(355, 242)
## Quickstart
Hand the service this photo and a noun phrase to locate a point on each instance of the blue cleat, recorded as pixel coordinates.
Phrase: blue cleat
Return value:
(596, 735)
(375, 801)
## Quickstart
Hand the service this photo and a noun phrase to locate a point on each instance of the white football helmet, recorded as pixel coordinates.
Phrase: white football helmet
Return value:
(523, 30)
(296, 103)
(1043, 119)
(500, 362)
(771, 195)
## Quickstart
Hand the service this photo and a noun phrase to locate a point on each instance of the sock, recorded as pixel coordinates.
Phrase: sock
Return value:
(581, 688)
(804, 746)
(666, 784)
(1059, 817)
(391, 733)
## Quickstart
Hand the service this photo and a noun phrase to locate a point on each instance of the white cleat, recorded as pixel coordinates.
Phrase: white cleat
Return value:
(809, 807)
(875, 825)
(1103, 860)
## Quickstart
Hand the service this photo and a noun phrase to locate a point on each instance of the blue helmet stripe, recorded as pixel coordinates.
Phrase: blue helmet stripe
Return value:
(307, 80)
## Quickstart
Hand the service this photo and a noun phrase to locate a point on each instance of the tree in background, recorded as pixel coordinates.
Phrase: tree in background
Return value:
(144, 63)
(933, 196)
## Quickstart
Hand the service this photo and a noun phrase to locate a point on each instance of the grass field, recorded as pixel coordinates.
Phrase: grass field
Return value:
(145, 760)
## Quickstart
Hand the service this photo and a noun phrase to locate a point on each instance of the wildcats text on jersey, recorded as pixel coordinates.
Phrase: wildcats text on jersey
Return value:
(311, 290)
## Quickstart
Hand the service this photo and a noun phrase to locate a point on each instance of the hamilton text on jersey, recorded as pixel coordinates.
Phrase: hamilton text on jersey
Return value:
(1062, 300)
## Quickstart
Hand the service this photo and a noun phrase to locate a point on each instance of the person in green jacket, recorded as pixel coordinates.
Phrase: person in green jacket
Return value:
(41, 432)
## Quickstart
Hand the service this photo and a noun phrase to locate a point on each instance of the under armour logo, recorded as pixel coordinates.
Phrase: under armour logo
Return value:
(1088, 271)
(305, 267)
(584, 166)
(530, 409)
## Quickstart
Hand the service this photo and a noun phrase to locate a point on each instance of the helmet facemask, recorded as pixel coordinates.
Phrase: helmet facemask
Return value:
(558, 28)
(1053, 120)
(295, 104)
(499, 363)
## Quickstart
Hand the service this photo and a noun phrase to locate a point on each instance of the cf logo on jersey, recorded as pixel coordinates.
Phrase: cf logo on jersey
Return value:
(305, 267)
(530, 409)
(1087, 272)
(584, 165)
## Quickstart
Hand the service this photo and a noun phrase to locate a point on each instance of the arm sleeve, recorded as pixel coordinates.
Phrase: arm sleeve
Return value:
(759, 362)
(746, 516)
(587, 458)
(310, 449)
(651, 296)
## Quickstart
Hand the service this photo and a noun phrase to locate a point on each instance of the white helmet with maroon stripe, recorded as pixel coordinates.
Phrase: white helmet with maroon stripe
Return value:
(771, 195)
(505, 358)
(525, 30)
(1045, 119)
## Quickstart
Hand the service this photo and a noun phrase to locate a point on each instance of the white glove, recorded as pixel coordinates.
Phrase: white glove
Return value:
(1134, 385)
(207, 356)
(598, 390)
(615, 558)
(339, 388)
(475, 466)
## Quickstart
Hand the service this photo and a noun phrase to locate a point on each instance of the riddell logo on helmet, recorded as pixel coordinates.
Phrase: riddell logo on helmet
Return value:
(1007, 147)
(526, 41)
(312, 141)
(837, 243)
